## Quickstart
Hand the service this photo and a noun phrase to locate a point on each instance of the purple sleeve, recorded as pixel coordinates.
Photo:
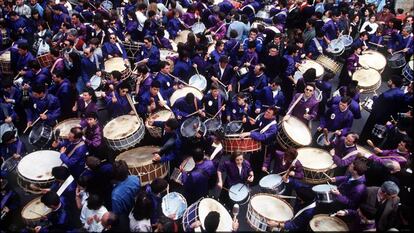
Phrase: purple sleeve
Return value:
(298, 170)
(354, 198)
(343, 162)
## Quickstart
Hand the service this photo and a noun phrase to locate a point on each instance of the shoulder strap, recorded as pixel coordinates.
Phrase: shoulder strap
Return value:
(352, 153)
(76, 147)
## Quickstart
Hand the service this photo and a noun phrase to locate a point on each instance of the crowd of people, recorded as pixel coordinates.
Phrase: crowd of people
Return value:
(222, 70)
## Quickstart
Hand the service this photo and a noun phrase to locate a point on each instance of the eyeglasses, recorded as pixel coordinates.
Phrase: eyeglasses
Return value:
(146, 42)
(307, 89)
(113, 37)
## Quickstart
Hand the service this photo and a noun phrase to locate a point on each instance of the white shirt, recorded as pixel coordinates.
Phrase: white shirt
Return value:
(374, 27)
(221, 71)
(141, 20)
(143, 225)
(274, 93)
(87, 213)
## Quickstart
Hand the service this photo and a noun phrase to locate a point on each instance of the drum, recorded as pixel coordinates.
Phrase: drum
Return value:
(396, 61)
(324, 223)
(182, 37)
(132, 48)
(125, 137)
(329, 64)
(379, 131)
(315, 163)
(36, 168)
(239, 193)
(40, 135)
(336, 47)
(264, 207)
(408, 71)
(163, 116)
(369, 80)
(323, 192)
(107, 5)
(199, 210)
(198, 81)
(188, 165)
(233, 127)
(346, 40)
(6, 127)
(373, 59)
(95, 82)
(45, 60)
(307, 64)
(198, 28)
(364, 150)
(140, 163)
(367, 104)
(9, 165)
(191, 126)
(242, 71)
(233, 143)
(173, 204)
(66, 125)
(212, 124)
(167, 54)
(262, 15)
(179, 93)
(321, 138)
(33, 212)
(272, 183)
(5, 62)
(293, 133)
(117, 63)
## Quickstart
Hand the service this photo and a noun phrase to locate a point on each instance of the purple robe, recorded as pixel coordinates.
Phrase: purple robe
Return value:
(334, 120)
(341, 150)
(352, 192)
(300, 108)
(232, 171)
(394, 155)
(279, 166)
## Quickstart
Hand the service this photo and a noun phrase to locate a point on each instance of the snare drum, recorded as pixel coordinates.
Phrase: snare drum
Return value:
(95, 82)
(315, 162)
(369, 80)
(233, 143)
(272, 183)
(379, 131)
(130, 133)
(373, 59)
(307, 64)
(198, 27)
(199, 210)
(5, 63)
(408, 71)
(163, 116)
(188, 165)
(242, 71)
(198, 81)
(173, 204)
(346, 40)
(239, 193)
(336, 47)
(33, 212)
(212, 124)
(167, 54)
(6, 127)
(323, 192)
(140, 163)
(396, 61)
(182, 37)
(40, 135)
(294, 133)
(264, 207)
(66, 125)
(36, 168)
(262, 15)
(233, 127)
(322, 139)
(191, 126)
(324, 223)
(179, 93)
(45, 60)
(329, 64)
(117, 63)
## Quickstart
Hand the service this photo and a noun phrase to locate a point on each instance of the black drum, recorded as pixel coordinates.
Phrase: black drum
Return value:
(41, 135)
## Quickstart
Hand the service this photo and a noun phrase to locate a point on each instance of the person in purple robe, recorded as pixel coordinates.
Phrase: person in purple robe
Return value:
(187, 105)
(112, 49)
(23, 58)
(160, 41)
(284, 161)
(144, 80)
(64, 91)
(352, 64)
(304, 106)
(401, 154)
(198, 181)
(150, 101)
(117, 101)
(85, 104)
(42, 101)
(330, 28)
(149, 54)
(94, 136)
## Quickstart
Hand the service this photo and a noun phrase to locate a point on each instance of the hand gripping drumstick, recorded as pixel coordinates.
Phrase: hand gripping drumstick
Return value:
(192, 114)
(34, 122)
(221, 83)
(221, 109)
(327, 175)
(370, 143)
(178, 79)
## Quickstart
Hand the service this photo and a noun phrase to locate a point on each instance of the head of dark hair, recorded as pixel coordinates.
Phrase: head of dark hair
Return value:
(60, 172)
(198, 154)
(360, 166)
(397, 80)
(172, 123)
(120, 170)
(39, 88)
(234, 155)
(189, 98)
(50, 199)
(158, 185)
(94, 202)
(212, 221)
(116, 74)
(143, 206)
(77, 132)
(93, 162)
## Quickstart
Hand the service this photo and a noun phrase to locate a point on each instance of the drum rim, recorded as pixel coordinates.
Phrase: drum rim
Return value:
(272, 195)
(66, 121)
(29, 204)
(130, 133)
(239, 192)
(262, 179)
(313, 169)
(204, 81)
(326, 216)
(212, 119)
(303, 124)
(190, 88)
(325, 185)
(41, 133)
(181, 197)
(134, 151)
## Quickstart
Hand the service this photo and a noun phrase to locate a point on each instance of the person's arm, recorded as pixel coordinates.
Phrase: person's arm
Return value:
(347, 123)
(343, 162)
(96, 139)
(255, 135)
(54, 110)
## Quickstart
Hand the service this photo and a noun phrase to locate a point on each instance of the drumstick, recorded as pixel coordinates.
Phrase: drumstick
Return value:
(197, 71)
(330, 186)
(222, 107)
(132, 105)
(16, 77)
(280, 173)
(397, 52)
(191, 114)
(370, 143)
(267, 172)
(34, 122)
(178, 79)
(287, 197)
(241, 187)
(327, 175)
(379, 45)
(228, 190)
(41, 215)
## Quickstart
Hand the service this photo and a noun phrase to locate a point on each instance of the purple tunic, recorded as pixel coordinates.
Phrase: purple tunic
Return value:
(341, 150)
(279, 166)
(352, 191)
(300, 108)
(394, 155)
(232, 171)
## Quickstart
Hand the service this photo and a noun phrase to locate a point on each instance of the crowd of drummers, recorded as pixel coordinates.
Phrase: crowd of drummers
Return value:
(202, 115)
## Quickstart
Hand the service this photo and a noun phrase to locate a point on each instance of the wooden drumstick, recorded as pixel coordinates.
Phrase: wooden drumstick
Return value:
(178, 79)
(221, 83)
(287, 197)
(280, 173)
(34, 122)
(192, 114)
(370, 143)
(327, 175)
(267, 172)
(228, 190)
(379, 45)
(40, 215)
(132, 105)
(397, 52)
(221, 109)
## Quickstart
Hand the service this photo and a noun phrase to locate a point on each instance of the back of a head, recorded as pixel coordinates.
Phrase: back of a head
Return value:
(390, 188)
(158, 185)
(60, 172)
(211, 222)
(120, 170)
(198, 154)
(50, 199)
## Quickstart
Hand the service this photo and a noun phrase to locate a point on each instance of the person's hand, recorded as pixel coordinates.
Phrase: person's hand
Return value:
(111, 87)
(389, 50)
(228, 118)
(26, 86)
(172, 216)
(74, 108)
(161, 103)
(8, 120)
(145, 60)
(335, 191)
(78, 191)
(195, 65)
(338, 132)
(307, 116)
(156, 157)
(332, 179)
(175, 87)
(99, 73)
(244, 119)
(131, 113)
(198, 135)
(89, 220)
(257, 111)
(88, 84)
(405, 50)
(245, 134)
(16, 156)
(340, 213)
(264, 169)
(285, 118)
(44, 191)
(62, 150)
(29, 124)
(153, 106)
(96, 218)
(103, 94)
(220, 185)
(7, 100)
(110, 56)
(114, 99)
(150, 122)
(319, 129)
(297, 65)
(251, 89)
(272, 223)
(55, 144)
(235, 225)
(229, 88)
(214, 79)
(291, 173)
(195, 224)
(252, 121)
(247, 64)
(201, 113)
(250, 178)
(37, 229)
(285, 178)
(43, 116)
(235, 68)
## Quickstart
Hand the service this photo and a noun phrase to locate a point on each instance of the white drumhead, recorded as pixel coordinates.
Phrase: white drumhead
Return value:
(270, 181)
(238, 192)
(115, 63)
(314, 158)
(34, 209)
(311, 64)
(5, 56)
(38, 165)
(298, 131)
(121, 127)
(373, 59)
(271, 207)
(183, 92)
(364, 150)
(139, 156)
(322, 188)
(366, 77)
(162, 115)
(182, 36)
(165, 53)
(207, 205)
(188, 164)
(411, 64)
(174, 203)
(95, 81)
(66, 125)
(324, 223)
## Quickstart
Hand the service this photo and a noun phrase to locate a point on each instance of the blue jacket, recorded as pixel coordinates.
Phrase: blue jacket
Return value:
(76, 161)
(50, 103)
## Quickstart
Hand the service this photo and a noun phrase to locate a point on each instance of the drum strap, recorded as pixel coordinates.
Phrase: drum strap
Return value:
(216, 151)
(294, 104)
(54, 64)
(313, 205)
(76, 147)
(318, 45)
(268, 126)
(352, 153)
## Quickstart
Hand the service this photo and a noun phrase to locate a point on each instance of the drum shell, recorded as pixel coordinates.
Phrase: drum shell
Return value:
(285, 141)
(314, 175)
(43, 138)
(396, 61)
(233, 143)
(33, 221)
(408, 72)
(177, 197)
(155, 131)
(45, 60)
(329, 64)
(5, 62)
(277, 188)
(325, 195)
(338, 226)
(129, 141)
(110, 66)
